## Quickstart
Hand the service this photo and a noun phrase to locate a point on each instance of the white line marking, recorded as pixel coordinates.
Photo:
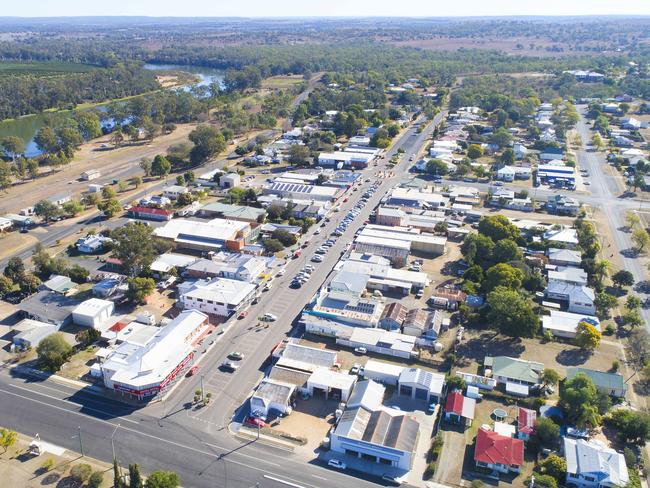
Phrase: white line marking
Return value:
(52, 397)
(319, 477)
(284, 482)
(256, 458)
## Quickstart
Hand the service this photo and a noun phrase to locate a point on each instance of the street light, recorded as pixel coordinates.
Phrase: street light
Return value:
(113, 441)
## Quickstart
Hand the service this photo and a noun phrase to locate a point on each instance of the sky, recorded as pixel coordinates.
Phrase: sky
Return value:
(301, 8)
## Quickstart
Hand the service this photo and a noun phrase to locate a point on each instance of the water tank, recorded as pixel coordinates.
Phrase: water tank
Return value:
(437, 346)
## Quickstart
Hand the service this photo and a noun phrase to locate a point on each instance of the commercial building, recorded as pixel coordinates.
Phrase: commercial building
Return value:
(234, 266)
(591, 464)
(397, 251)
(146, 368)
(50, 307)
(92, 243)
(272, 396)
(29, 333)
(219, 296)
(230, 180)
(551, 173)
(384, 436)
(384, 373)
(328, 384)
(347, 308)
(421, 385)
(232, 212)
(379, 275)
(93, 313)
(213, 235)
(296, 191)
(419, 242)
(379, 341)
(169, 261)
(564, 324)
(345, 159)
(409, 197)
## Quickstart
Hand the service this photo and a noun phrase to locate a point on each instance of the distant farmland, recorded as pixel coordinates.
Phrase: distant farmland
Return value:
(48, 68)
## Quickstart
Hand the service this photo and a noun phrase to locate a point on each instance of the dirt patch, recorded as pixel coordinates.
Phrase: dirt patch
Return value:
(311, 419)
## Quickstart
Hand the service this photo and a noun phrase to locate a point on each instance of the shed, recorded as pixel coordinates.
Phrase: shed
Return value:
(331, 384)
(270, 396)
(385, 373)
(93, 312)
(421, 385)
(230, 180)
(31, 333)
(367, 394)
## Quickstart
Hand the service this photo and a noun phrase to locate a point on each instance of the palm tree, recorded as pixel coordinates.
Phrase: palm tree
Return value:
(602, 269)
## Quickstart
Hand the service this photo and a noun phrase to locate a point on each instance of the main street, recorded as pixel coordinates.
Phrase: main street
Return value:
(196, 444)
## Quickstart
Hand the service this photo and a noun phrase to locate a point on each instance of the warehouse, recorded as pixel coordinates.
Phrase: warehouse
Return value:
(342, 159)
(421, 385)
(93, 313)
(331, 384)
(397, 251)
(205, 236)
(409, 197)
(296, 191)
(424, 243)
(385, 373)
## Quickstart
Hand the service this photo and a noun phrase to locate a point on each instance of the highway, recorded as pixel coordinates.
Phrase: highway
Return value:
(196, 444)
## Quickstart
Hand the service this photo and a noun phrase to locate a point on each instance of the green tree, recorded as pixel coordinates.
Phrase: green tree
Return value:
(455, 382)
(272, 245)
(503, 275)
(118, 482)
(81, 472)
(597, 142)
(47, 210)
(133, 244)
(5, 175)
(160, 166)
(29, 283)
(579, 399)
(478, 249)
(287, 239)
(587, 336)
(547, 432)
(162, 479)
(632, 220)
(501, 137)
(474, 151)
(641, 239)
(7, 438)
(180, 180)
(298, 155)
(140, 288)
(96, 479)
(604, 302)
(73, 208)
(498, 227)
(90, 199)
(437, 167)
(46, 140)
(146, 165)
(506, 250)
(6, 285)
(15, 269)
(53, 351)
(632, 318)
(511, 314)
(208, 142)
(108, 192)
(632, 302)
(135, 479)
(508, 156)
(549, 377)
(554, 466)
(623, 278)
(110, 207)
(13, 146)
(137, 181)
(542, 481)
(633, 426)
(89, 124)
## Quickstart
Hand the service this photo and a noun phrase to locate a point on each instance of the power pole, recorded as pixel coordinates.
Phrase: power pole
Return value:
(81, 445)
(202, 391)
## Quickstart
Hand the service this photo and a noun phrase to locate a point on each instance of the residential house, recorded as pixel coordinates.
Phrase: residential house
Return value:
(498, 452)
(460, 409)
(174, 191)
(517, 375)
(92, 243)
(564, 257)
(526, 421)
(564, 324)
(62, 285)
(562, 205)
(150, 213)
(568, 237)
(578, 298)
(611, 383)
(591, 464)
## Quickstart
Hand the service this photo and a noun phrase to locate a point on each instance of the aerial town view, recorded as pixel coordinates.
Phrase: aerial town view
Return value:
(325, 244)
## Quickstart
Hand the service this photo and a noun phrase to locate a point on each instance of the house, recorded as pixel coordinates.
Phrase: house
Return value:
(93, 313)
(155, 201)
(60, 199)
(564, 257)
(230, 180)
(393, 316)
(507, 173)
(564, 324)
(449, 298)
(568, 237)
(590, 464)
(92, 243)
(59, 284)
(272, 396)
(459, 409)
(91, 174)
(517, 375)
(568, 274)
(174, 191)
(526, 421)
(578, 298)
(106, 287)
(5, 224)
(234, 266)
(611, 383)
(562, 205)
(498, 452)
(31, 332)
(633, 124)
(219, 296)
(421, 385)
(150, 213)
(171, 263)
(622, 141)
(520, 150)
(384, 436)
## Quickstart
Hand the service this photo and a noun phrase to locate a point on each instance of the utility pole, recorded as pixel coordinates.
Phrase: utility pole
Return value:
(113, 441)
(202, 392)
(81, 445)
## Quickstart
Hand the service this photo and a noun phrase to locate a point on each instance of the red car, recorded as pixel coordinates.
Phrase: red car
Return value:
(254, 422)
(193, 370)
(243, 315)
(345, 199)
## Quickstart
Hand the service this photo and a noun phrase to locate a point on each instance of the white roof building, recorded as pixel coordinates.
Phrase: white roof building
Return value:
(566, 236)
(592, 464)
(211, 235)
(93, 313)
(219, 296)
(165, 262)
(331, 383)
(564, 324)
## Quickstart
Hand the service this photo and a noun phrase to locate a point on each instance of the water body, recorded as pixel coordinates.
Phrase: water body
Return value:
(26, 127)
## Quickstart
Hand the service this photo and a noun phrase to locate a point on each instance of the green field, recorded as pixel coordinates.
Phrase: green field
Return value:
(42, 69)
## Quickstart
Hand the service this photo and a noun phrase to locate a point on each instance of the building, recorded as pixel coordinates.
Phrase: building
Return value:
(393, 316)
(272, 396)
(498, 452)
(380, 341)
(150, 213)
(562, 205)
(106, 287)
(171, 262)
(409, 197)
(561, 235)
(578, 298)
(347, 307)
(611, 383)
(564, 324)
(60, 199)
(384, 373)
(510, 173)
(416, 322)
(234, 266)
(517, 375)
(219, 296)
(93, 313)
(328, 384)
(91, 174)
(568, 274)
(345, 159)
(213, 235)
(230, 180)
(384, 436)
(459, 409)
(47, 306)
(174, 191)
(526, 421)
(146, 366)
(5, 224)
(92, 243)
(361, 141)
(299, 192)
(232, 212)
(29, 333)
(564, 257)
(59, 284)
(421, 385)
(590, 464)
(367, 394)
(379, 275)
(397, 251)
(303, 358)
(551, 174)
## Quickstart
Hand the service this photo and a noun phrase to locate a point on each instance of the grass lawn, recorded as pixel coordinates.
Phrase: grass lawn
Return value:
(43, 69)
(281, 82)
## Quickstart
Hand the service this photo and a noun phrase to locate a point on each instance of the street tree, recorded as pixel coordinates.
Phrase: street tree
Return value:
(7, 438)
(137, 181)
(47, 210)
(632, 302)
(145, 165)
(604, 302)
(180, 180)
(81, 472)
(53, 351)
(160, 166)
(139, 289)
(15, 269)
(133, 244)
(108, 192)
(135, 479)
(641, 239)
(162, 479)
(587, 336)
(631, 318)
(623, 278)
(73, 208)
(638, 348)
(632, 219)
(110, 207)
(597, 141)
(511, 314)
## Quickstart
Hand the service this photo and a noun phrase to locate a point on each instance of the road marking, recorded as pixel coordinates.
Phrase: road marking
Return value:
(80, 405)
(255, 458)
(284, 482)
(319, 477)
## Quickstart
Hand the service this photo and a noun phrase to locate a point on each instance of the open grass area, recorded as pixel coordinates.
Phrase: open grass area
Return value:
(42, 69)
(280, 82)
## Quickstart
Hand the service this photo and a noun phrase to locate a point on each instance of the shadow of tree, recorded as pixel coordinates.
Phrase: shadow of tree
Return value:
(50, 478)
(630, 253)
(489, 344)
(572, 357)
(642, 286)
(641, 387)
(68, 482)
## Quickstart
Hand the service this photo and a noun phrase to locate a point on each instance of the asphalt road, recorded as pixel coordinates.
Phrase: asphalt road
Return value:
(196, 444)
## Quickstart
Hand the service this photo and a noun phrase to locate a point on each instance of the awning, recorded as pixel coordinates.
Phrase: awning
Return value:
(517, 389)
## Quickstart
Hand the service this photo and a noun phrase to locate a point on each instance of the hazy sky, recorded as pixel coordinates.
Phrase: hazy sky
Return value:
(282, 8)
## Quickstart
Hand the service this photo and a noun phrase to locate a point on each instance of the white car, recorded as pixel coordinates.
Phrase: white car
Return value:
(282, 272)
(335, 463)
(360, 350)
(317, 231)
(269, 317)
(317, 259)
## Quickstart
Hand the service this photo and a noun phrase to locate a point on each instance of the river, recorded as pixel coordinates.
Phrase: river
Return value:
(26, 127)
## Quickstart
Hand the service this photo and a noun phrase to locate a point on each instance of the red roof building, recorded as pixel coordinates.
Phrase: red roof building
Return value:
(498, 452)
(459, 409)
(151, 213)
(526, 420)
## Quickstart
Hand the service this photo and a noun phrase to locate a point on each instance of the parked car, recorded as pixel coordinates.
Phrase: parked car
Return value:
(419, 294)
(192, 371)
(335, 463)
(360, 350)
(243, 315)
(251, 421)
(229, 366)
(236, 355)
(269, 317)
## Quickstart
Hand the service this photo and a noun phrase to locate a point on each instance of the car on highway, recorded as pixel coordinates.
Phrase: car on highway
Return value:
(269, 317)
(335, 463)
(267, 287)
(317, 231)
(498, 183)
(229, 366)
(242, 315)
(587, 182)
(236, 355)
(281, 272)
